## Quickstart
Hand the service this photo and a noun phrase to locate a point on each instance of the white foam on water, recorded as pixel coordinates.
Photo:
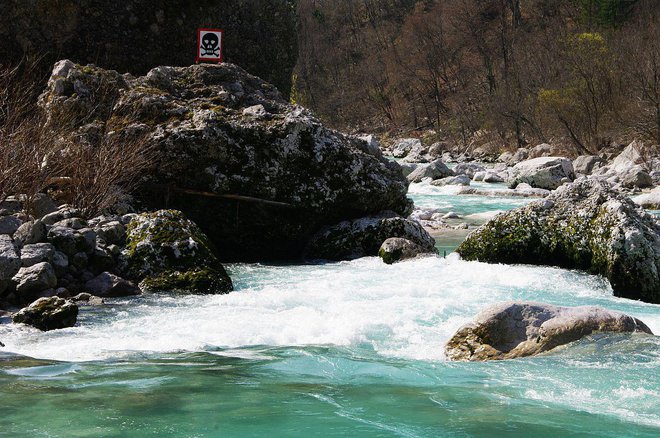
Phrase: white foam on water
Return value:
(407, 310)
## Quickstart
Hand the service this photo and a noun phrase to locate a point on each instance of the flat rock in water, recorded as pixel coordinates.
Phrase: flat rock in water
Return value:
(519, 329)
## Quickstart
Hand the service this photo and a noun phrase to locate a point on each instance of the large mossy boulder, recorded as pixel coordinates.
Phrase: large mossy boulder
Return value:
(165, 251)
(585, 225)
(48, 313)
(221, 132)
(519, 329)
(363, 237)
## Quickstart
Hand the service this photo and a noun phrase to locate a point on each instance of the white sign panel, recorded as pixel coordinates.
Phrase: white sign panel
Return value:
(209, 45)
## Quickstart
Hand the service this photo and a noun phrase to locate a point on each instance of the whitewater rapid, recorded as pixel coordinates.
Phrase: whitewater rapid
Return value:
(407, 310)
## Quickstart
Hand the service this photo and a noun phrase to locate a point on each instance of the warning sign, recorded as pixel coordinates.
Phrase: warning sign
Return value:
(209, 45)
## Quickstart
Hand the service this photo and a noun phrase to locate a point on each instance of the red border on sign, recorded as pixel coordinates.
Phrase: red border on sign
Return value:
(199, 43)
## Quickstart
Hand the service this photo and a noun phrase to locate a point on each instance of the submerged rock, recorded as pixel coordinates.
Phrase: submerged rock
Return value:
(48, 314)
(520, 329)
(543, 172)
(106, 285)
(293, 175)
(396, 249)
(165, 251)
(585, 225)
(363, 237)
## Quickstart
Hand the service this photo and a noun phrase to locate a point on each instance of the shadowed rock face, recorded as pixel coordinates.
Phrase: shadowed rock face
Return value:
(510, 330)
(585, 225)
(48, 314)
(220, 130)
(137, 35)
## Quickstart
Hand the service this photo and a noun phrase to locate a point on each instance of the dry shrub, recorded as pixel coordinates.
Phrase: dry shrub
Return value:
(24, 144)
(95, 177)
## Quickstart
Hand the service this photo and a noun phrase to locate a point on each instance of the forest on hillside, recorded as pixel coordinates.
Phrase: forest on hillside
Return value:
(492, 73)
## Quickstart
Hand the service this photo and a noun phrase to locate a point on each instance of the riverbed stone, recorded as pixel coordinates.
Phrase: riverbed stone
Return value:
(519, 329)
(434, 170)
(396, 249)
(9, 224)
(584, 225)
(36, 253)
(363, 237)
(48, 313)
(10, 261)
(107, 285)
(165, 251)
(31, 232)
(34, 279)
(543, 172)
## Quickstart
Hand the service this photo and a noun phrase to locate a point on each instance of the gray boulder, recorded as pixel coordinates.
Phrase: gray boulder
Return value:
(468, 169)
(165, 251)
(585, 225)
(10, 261)
(363, 237)
(434, 170)
(519, 329)
(492, 177)
(459, 180)
(396, 249)
(34, 279)
(9, 224)
(41, 205)
(586, 164)
(49, 313)
(71, 241)
(107, 285)
(371, 145)
(650, 200)
(31, 232)
(544, 172)
(631, 156)
(36, 253)
(635, 177)
(404, 146)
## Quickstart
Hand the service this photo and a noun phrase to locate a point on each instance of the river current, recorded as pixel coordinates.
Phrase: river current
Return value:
(339, 349)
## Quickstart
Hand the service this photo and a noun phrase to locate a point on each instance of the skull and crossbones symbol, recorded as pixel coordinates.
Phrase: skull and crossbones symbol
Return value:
(210, 45)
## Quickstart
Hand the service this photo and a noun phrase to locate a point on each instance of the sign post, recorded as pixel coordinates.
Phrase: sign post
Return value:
(209, 45)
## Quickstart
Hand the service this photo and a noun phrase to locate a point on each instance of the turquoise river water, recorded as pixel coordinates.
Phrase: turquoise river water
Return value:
(333, 350)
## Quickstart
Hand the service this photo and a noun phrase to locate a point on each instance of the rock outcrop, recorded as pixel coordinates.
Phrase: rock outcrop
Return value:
(137, 35)
(49, 313)
(292, 175)
(520, 329)
(165, 251)
(363, 237)
(585, 225)
(543, 172)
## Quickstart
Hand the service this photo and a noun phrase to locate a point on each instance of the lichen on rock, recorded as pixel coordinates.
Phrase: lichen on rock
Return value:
(204, 125)
(585, 225)
(165, 251)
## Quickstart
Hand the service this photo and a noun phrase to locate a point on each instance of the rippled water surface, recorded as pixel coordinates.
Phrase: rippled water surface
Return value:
(343, 349)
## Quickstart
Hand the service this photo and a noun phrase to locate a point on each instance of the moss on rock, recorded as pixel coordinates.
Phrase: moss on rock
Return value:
(585, 225)
(165, 251)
